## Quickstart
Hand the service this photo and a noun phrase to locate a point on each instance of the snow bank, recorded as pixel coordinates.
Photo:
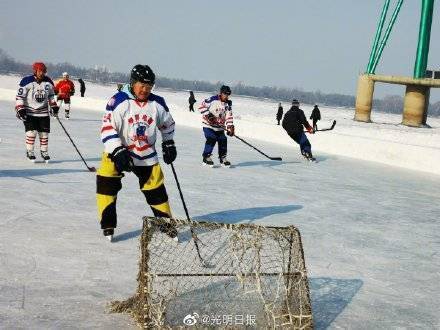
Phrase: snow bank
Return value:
(384, 141)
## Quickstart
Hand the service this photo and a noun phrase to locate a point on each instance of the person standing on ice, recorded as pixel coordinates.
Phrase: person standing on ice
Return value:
(191, 100)
(315, 116)
(128, 132)
(293, 122)
(35, 95)
(64, 90)
(279, 113)
(216, 118)
(82, 89)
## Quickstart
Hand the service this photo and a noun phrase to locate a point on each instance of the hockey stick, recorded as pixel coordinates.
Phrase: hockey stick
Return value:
(326, 129)
(250, 145)
(90, 168)
(193, 234)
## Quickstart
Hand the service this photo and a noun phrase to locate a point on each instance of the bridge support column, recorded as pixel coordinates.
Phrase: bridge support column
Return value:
(364, 98)
(415, 106)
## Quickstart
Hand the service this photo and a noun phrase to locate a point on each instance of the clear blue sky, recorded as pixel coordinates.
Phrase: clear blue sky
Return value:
(309, 44)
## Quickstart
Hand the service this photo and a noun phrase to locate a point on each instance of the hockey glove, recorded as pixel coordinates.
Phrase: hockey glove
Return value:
(230, 130)
(54, 111)
(169, 151)
(21, 114)
(122, 159)
(211, 118)
(310, 130)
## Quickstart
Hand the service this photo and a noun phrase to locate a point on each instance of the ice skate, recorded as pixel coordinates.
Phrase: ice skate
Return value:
(208, 161)
(108, 233)
(170, 230)
(45, 156)
(30, 155)
(67, 115)
(225, 162)
(309, 157)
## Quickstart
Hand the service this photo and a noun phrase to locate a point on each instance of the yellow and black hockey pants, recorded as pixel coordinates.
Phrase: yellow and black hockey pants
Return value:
(108, 184)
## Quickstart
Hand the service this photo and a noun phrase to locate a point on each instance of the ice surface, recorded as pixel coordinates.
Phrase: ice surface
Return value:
(370, 231)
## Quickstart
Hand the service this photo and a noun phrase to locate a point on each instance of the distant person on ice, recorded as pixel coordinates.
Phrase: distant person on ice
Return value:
(34, 96)
(315, 116)
(64, 90)
(293, 122)
(216, 118)
(279, 113)
(191, 101)
(128, 132)
(82, 88)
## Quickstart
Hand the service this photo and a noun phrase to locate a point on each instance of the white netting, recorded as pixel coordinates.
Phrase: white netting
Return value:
(245, 276)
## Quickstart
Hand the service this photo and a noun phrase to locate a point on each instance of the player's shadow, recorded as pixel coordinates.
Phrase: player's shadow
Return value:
(329, 298)
(127, 235)
(230, 216)
(263, 163)
(26, 173)
(249, 214)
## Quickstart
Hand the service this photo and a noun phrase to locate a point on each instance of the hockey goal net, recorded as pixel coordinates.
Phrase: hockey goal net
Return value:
(238, 275)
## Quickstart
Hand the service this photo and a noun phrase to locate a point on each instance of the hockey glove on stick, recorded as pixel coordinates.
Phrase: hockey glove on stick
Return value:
(169, 151)
(230, 130)
(21, 114)
(211, 118)
(122, 159)
(54, 111)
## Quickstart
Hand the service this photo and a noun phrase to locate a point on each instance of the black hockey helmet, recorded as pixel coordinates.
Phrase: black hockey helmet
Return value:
(143, 74)
(295, 102)
(225, 90)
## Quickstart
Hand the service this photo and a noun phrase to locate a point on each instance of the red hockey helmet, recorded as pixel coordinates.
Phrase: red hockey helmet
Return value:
(39, 66)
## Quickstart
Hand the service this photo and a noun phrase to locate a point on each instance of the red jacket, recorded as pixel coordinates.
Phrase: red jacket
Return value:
(64, 89)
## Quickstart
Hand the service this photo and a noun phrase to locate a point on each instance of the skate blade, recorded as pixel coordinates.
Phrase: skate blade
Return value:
(47, 161)
(204, 164)
(110, 238)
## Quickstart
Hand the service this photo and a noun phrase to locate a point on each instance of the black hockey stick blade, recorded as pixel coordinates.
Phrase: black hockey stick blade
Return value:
(256, 149)
(327, 129)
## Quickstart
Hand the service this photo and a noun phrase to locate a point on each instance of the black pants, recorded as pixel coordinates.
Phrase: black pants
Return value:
(315, 127)
(39, 124)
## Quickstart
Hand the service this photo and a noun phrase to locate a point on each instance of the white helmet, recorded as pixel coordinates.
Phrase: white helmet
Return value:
(65, 75)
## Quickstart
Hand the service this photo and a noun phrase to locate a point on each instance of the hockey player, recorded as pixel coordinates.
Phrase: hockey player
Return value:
(315, 116)
(293, 123)
(34, 96)
(64, 90)
(128, 132)
(216, 118)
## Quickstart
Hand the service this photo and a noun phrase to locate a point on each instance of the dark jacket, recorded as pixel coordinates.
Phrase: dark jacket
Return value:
(191, 98)
(82, 85)
(294, 120)
(316, 114)
(280, 113)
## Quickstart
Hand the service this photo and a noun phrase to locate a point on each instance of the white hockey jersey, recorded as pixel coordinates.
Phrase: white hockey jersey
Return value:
(34, 96)
(222, 112)
(133, 124)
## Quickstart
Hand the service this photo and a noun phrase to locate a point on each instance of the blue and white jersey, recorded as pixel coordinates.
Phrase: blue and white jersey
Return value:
(35, 96)
(132, 123)
(222, 112)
